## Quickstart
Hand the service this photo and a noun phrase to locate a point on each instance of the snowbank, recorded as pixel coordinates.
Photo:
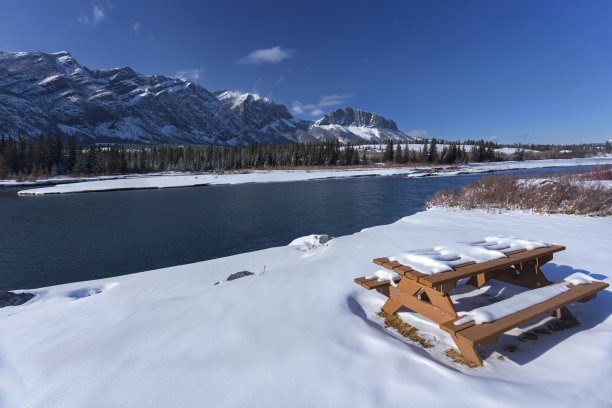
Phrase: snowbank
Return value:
(274, 176)
(169, 181)
(302, 334)
(311, 241)
(474, 168)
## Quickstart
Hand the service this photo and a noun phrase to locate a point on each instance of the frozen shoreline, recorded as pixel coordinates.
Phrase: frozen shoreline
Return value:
(274, 176)
(299, 332)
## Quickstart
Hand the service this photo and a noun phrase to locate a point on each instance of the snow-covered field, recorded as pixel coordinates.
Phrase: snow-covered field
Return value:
(182, 180)
(380, 147)
(300, 333)
(511, 165)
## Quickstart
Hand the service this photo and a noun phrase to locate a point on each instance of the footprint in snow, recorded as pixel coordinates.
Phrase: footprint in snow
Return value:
(90, 291)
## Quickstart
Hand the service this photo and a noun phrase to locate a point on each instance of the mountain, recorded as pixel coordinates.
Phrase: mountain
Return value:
(53, 94)
(274, 120)
(262, 114)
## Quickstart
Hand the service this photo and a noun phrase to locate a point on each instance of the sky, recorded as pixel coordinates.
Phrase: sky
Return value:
(511, 71)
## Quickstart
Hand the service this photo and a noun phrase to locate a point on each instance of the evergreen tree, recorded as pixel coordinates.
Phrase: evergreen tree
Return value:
(397, 156)
(432, 155)
(388, 156)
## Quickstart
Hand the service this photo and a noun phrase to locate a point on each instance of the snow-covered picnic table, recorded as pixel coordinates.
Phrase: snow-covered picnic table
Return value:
(422, 280)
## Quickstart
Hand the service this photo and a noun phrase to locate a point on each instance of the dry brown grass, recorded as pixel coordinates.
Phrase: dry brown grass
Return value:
(403, 328)
(556, 195)
(457, 357)
(599, 173)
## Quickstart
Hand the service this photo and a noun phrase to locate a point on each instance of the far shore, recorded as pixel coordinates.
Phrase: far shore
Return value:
(63, 185)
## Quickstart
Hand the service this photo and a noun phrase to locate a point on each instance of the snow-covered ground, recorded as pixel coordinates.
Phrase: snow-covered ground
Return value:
(380, 147)
(300, 333)
(182, 180)
(511, 165)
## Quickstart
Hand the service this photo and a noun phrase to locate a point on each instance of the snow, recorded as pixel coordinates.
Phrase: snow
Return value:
(310, 241)
(380, 147)
(496, 311)
(274, 176)
(443, 258)
(509, 244)
(385, 275)
(473, 168)
(50, 79)
(499, 310)
(169, 181)
(302, 334)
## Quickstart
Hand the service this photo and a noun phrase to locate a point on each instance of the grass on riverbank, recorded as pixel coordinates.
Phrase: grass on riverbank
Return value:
(582, 194)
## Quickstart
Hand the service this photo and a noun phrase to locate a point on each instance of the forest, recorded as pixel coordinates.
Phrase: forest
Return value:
(52, 156)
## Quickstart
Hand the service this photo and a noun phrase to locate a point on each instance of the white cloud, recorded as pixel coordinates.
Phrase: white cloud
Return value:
(272, 55)
(316, 109)
(422, 134)
(136, 28)
(192, 74)
(96, 15)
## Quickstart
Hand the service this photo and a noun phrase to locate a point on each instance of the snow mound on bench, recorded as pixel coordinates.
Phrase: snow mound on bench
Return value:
(444, 258)
(384, 275)
(499, 310)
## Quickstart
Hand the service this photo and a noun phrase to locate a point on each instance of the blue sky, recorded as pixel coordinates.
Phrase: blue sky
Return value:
(514, 71)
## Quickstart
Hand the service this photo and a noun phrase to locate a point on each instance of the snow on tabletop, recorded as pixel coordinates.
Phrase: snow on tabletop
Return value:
(444, 258)
(524, 300)
(302, 334)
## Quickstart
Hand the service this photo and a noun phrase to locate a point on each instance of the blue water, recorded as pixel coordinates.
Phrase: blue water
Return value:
(57, 239)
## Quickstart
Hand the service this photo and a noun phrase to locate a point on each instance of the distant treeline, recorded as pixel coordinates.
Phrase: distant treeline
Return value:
(48, 156)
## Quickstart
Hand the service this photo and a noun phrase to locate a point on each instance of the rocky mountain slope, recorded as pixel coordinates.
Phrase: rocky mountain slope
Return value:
(52, 94)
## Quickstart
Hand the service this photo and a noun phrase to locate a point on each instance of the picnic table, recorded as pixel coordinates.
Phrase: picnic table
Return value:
(430, 294)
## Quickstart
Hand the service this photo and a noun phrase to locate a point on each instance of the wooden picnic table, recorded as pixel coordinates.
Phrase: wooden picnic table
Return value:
(429, 295)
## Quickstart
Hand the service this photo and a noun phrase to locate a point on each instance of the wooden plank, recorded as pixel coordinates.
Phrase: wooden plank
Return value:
(516, 251)
(423, 308)
(437, 280)
(477, 332)
(380, 261)
(408, 272)
(370, 284)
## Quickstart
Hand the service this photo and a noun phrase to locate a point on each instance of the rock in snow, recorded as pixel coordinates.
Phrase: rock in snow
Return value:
(14, 299)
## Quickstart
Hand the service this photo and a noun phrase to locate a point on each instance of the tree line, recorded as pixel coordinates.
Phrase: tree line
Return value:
(52, 156)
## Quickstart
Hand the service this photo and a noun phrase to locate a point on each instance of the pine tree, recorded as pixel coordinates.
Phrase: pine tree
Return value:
(432, 155)
(388, 156)
(397, 156)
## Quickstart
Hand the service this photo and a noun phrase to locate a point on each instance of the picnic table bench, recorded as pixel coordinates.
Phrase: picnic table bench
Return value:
(429, 294)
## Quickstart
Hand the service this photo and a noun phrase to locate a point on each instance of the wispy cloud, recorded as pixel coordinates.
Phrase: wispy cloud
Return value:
(192, 74)
(96, 15)
(316, 109)
(272, 55)
(283, 77)
(421, 134)
(136, 28)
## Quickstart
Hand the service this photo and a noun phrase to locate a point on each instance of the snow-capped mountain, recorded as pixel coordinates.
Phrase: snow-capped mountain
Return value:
(53, 94)
(262, 114)
(274, 120)
(352, 125)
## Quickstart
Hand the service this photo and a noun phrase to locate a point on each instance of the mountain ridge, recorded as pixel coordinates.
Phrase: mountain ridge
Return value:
(51, 93)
